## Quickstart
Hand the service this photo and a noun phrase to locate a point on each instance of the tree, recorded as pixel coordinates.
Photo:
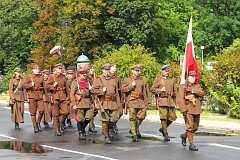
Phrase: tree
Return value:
(127, 56)
(16, 18)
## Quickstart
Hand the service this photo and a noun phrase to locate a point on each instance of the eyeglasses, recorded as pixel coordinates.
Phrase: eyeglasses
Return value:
(137, 70)
(59, 68)
(107, 69)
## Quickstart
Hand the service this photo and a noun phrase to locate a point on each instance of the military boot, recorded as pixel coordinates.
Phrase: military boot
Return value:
(81, 136)
(138, 134)
(184, 139)
(115, 129)
(39, 127)
(92, 129)
(17, 126)
(166, 137)
(46, 125)
(58, 133)
(193, 147)
(61, 129)
(107, 140)
(36, 129)
(135, 139)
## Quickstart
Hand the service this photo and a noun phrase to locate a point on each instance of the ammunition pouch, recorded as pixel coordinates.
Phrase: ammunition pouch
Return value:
(60, 89)
(77, 98)
(109, 98)
(136, 95)
(37, 89)
(164, 94)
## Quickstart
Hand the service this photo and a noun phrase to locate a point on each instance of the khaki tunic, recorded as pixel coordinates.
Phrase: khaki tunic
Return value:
(84, 93)
(186, 106)
(71, 110)
(17, 109)
(112, 89)
(47, 116)
(139, 87)
(170, 85)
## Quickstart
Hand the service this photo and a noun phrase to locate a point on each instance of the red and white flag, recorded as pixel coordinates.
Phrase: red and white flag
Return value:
(189, 62)
(56, 49)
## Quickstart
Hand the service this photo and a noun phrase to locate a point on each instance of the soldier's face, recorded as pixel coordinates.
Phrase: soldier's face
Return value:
(136, 71)
(165, 72)
(36, 71)
(113, 69)
(106, 72)
(191, 79)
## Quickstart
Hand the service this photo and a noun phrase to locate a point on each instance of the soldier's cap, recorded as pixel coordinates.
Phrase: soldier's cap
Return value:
(137, 66)
(71, 68)
(58, 65)
(70, 71)
(112, 64)
(192, 73)
(166, 67)
(106, 66)
(35, 66)
(46, 71)
(17, 70)
(83, 71)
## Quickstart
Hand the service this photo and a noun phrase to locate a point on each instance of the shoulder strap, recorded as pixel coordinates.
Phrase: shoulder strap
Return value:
(17, 87)
(162, 81)
(31, 77)
(54, 78)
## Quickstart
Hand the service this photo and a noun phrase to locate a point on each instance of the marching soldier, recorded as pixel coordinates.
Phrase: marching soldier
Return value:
(189, 105)
(164, 88)
(90, 78)
(137, 100)
(17, 96)
(47, 116)
(70, 77)
(34, 84)
(113, 75)
(108, 100)
(81, 101)
(57, 84)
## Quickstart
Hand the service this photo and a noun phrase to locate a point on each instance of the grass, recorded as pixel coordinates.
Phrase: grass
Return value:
(206, 115)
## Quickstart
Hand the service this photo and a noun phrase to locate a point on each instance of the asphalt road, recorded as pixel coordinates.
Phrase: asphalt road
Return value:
(24, 144)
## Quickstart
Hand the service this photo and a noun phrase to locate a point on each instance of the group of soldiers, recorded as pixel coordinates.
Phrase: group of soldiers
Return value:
(81, 95)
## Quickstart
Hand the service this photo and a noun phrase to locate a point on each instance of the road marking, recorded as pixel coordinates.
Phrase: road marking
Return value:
(1, 135)
(224, 146)
(10, 108)
(81, 153)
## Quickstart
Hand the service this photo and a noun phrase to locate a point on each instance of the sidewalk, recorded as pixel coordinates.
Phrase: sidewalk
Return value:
(217, 125)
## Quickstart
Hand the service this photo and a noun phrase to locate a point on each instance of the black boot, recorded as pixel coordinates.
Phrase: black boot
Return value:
(166, 137)
(193, 147)
(39, 127)
(135, 139)
(107, 140)
(17, 126)
(161, 130)
(36, 129)
(61, 129)
(81, 136)
(46, 125)
(70, 123)
(138, 134)
(115, 129)
(111, 133)
(92, 129)
(58, 133)
(184, 139)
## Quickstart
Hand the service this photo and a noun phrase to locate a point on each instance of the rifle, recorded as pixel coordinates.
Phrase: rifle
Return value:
(100, 104)
(157, 95)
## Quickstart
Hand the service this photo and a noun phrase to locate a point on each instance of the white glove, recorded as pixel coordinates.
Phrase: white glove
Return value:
(133, 84)
(90, 87)
(55, 83)
(163, 89)
(104, 89)
(32, 83)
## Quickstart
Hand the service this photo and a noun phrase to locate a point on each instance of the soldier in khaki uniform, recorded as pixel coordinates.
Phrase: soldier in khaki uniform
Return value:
(57, 84)
(134, 88)
(190, 107)
(81, 102)
(34, 84)
(17, 96)
(70, 77)
(113, 75)
(164, 88)
(47, 116)
(90, 78)
(108, 100)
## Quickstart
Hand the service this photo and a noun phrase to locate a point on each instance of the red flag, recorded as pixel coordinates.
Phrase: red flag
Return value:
(56, 49)
(189, 63)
